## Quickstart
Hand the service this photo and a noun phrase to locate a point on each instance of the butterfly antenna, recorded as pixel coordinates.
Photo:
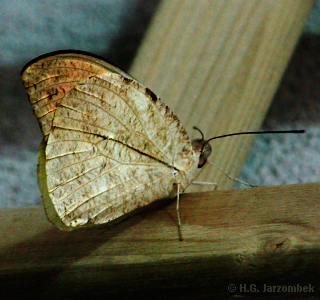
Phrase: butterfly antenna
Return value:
(230, 176)
(202, 135)
(242, 133)
(256, 132)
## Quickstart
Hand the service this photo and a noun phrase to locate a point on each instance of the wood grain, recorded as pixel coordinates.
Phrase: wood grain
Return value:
(229, 236)
(217, 64)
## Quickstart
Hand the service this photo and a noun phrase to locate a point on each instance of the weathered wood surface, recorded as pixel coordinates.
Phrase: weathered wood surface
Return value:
(229, 237)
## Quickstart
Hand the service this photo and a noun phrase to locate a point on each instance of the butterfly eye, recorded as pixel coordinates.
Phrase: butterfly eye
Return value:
(204, 154)
(203, 147)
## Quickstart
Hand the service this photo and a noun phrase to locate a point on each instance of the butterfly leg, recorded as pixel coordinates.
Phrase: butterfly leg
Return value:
(178, 213)
(206, 183)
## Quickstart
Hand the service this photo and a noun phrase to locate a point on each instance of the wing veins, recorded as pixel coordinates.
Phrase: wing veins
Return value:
(72, 108)
(74, 152)
(92, 158)
(74, 164)
(153, 181)
(47, 78)
(132, 110)
(80, 121)
(105, 138)
(56, 76)
(40, 106)
(115, 186)
(73, 178)
(80, 187)
(50, 86)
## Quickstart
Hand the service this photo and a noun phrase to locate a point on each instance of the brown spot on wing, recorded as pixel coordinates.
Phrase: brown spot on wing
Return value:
(127, 80)
(151, 94)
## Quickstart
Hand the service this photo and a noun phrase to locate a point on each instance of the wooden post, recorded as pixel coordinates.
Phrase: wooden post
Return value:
(217, 64)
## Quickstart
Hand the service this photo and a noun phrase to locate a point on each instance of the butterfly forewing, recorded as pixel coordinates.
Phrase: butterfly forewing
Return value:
(48, 80)
(112, 146)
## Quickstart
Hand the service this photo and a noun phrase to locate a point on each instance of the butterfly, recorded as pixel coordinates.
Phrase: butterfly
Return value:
(110, 145)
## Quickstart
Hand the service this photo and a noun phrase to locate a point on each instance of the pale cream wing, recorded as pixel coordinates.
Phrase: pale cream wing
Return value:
(114, 147)
(48, 79)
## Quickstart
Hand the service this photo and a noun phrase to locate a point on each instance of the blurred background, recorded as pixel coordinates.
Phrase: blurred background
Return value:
(114, 29)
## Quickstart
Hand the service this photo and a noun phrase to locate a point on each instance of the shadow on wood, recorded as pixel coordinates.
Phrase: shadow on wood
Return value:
(257, 236)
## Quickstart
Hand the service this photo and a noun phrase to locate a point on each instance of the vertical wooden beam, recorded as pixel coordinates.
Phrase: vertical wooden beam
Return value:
(217, 64)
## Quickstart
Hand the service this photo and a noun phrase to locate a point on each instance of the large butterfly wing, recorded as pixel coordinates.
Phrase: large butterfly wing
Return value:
(113, 147)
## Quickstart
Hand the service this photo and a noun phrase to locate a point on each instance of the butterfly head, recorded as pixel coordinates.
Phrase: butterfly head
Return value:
(202, 147)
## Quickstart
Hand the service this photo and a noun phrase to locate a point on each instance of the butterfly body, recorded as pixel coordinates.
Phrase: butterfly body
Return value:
(110, 145)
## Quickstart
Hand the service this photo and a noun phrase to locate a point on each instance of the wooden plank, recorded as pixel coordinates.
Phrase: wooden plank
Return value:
(217, 64)
(229, 237)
